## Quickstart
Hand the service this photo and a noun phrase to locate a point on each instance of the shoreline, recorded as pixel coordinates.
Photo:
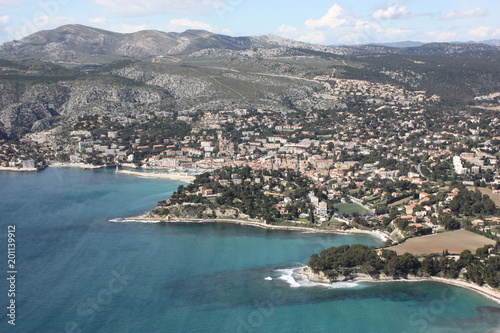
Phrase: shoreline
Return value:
(256, 224)
(76, 165)
(185, 177)
(484, 291)
(16, 169)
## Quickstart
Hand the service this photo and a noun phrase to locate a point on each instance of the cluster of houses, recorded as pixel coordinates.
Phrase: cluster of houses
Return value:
(373, 92)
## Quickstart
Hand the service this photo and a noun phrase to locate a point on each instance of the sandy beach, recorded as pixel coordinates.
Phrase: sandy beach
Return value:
(487, 291)
(185, 177)
(75, 165)
(18, 169)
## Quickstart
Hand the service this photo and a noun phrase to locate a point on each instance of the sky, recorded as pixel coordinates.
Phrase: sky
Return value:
(315, 21)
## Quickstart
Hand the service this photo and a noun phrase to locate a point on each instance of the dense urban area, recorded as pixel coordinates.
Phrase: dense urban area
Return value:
(394, 160)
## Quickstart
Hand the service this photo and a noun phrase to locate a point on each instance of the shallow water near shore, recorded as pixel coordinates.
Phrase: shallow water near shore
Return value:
(77, 272)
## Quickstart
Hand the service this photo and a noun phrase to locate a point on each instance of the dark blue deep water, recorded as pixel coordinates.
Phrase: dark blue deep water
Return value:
(78, 272)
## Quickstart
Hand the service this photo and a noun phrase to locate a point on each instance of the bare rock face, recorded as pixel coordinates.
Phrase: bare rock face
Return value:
(178, 85)
(28, 107)
(315, 277)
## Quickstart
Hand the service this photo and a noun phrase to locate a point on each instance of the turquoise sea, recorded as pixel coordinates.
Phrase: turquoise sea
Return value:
(79, 272)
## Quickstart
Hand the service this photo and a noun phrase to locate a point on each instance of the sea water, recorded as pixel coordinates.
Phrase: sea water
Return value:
(77, 271)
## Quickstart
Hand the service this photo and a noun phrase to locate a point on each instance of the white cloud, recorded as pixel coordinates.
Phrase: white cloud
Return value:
(350, 38)
(10, 2)
(184, 24)
(483, 32)
(329, 20)
(442, 36)
(471, 13)
(99, 20)
(147, 7)
(365, 32)
(315, 37)
(287, 29)
(397, 33)
(367, 27)
(395, 12)
(4, 19)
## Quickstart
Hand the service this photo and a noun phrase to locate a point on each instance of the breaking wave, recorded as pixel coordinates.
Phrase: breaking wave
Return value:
(295, 279)
(135, 221)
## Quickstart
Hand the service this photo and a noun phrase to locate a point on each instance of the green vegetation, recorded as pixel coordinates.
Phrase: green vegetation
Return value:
(472, 203)
(348, 261)
(249, 191)
(351, 209)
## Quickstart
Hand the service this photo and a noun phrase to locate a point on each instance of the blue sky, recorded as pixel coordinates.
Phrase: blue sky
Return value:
(316, 21)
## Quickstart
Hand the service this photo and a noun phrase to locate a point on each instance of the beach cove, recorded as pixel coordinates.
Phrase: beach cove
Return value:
(487, 291)
(182, 176)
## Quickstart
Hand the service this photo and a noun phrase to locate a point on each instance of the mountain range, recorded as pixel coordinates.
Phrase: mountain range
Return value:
(76, 44)
(56, 75)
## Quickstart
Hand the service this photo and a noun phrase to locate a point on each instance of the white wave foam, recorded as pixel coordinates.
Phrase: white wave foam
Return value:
(287, 276)
(268, 278)
(136, 221)
(293, 277)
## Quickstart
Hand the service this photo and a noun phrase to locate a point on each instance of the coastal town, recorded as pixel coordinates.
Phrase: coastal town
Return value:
(261, 183)
(382, 157)
(245, 166)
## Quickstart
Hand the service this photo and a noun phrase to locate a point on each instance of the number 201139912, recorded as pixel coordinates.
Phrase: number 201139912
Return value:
(11, 247)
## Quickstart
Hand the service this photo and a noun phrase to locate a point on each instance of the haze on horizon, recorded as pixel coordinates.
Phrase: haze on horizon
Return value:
(318, 21)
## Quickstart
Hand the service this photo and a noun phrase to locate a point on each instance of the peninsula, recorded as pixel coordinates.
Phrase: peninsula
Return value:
(479, 271)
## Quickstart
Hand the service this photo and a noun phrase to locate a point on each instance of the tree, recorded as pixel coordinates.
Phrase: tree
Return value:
(449, 222)
(312, 219)
(430, 265)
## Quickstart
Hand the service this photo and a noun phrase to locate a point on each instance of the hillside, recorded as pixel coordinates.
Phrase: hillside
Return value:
(74, 70)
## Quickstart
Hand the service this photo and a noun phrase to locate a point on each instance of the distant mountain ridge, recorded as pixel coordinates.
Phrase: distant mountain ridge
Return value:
(404, 44)
(78, 44)
(409, 43)
(56, 75)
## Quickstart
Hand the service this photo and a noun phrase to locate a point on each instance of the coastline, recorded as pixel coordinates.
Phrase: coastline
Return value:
(256, 224)
(185, 177)
(76, 165)
(485, 291)
(16, 169)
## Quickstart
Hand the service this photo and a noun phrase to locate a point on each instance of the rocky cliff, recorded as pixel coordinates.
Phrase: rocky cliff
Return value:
(32, 106)
(320, 277)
